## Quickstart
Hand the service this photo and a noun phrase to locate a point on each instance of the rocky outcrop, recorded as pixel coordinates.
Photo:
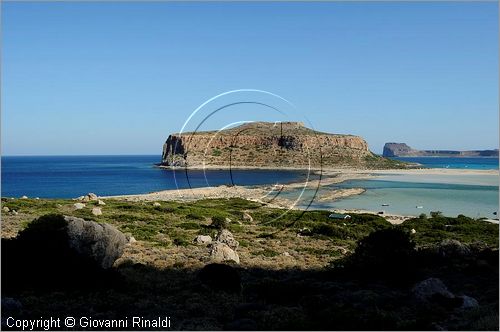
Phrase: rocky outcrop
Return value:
(221, 252)
(266, 144)
(403, 150)
(203, 239)
(55, 252)
(225, 236)
(102, 243)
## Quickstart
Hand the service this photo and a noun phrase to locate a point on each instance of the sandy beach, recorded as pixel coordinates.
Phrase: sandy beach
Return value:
(269, 195)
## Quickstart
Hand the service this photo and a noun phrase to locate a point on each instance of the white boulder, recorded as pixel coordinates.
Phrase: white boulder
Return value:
(220, 252)
(225, 236)
(78, 206)
(203, 239)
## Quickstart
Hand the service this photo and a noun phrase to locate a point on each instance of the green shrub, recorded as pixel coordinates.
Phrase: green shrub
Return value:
(189, 225)
(330, 231)
(195, 215)
(219, 222)
(436, 214)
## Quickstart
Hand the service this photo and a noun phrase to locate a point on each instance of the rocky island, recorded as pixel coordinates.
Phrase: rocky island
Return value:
(271, 145)
(403, 150)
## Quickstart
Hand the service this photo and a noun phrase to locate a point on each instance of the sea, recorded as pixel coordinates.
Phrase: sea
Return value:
(475, 196)
(73, 176)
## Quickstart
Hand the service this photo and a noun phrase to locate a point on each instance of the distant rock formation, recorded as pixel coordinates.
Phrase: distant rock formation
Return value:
(403, 150)
(269, 144)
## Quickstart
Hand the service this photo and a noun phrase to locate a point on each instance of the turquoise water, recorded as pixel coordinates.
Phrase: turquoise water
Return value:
(472, 195)
(404, 197)
(449, 162)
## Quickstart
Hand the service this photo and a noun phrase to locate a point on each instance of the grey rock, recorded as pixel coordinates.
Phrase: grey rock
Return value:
(453, 248)
(101, 202)
(14, 213)
(425, 290)
(78, 206)
(203, 239)
(96, 211)
(247, 217)
(10, 305)
(225, 236)
(156, 204)
(469, 302)
(102, 242)
(5, 209)
(221, 252)
(92, 196)
(24, 197)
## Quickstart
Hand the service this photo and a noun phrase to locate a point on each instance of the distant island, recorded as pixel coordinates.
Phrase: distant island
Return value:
(270, 145)
(403, 150)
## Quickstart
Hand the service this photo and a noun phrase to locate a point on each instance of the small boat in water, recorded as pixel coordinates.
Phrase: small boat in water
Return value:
(385, 204)
(419, 207)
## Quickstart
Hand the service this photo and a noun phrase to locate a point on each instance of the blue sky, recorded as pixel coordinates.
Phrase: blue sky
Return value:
(117, 78)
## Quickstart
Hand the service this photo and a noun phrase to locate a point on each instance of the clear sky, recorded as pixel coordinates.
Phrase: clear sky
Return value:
(117, 78)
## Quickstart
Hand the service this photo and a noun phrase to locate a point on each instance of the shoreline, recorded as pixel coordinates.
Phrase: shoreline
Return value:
(329, 176)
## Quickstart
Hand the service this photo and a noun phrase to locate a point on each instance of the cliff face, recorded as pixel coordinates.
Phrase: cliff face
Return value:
(403, 150)
(263, 144)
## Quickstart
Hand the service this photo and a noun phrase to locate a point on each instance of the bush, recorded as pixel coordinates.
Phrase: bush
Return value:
(330, 231)
(218, 222)
(386, 253)
(436, 214)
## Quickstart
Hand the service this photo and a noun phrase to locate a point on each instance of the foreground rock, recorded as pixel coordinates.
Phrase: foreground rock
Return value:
(58, 252)
(78, 206)
(432, 291)
(221, 252)
(426, 290)
(102, 243)
(203, 239)
(453, 248)
(225, 236)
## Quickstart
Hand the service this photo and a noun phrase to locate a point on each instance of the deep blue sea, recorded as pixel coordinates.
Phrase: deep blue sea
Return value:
(73, 176)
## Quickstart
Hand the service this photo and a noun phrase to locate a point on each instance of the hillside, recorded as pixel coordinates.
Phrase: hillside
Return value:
(403, 150)
(268, 144)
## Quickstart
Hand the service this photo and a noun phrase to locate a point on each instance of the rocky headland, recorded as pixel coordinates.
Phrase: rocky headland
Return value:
(403, 150)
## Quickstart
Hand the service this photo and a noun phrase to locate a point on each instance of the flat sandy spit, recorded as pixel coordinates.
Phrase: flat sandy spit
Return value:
(269, 194)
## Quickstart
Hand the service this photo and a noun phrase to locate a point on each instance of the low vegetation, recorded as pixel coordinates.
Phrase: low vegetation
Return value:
(299, 270)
